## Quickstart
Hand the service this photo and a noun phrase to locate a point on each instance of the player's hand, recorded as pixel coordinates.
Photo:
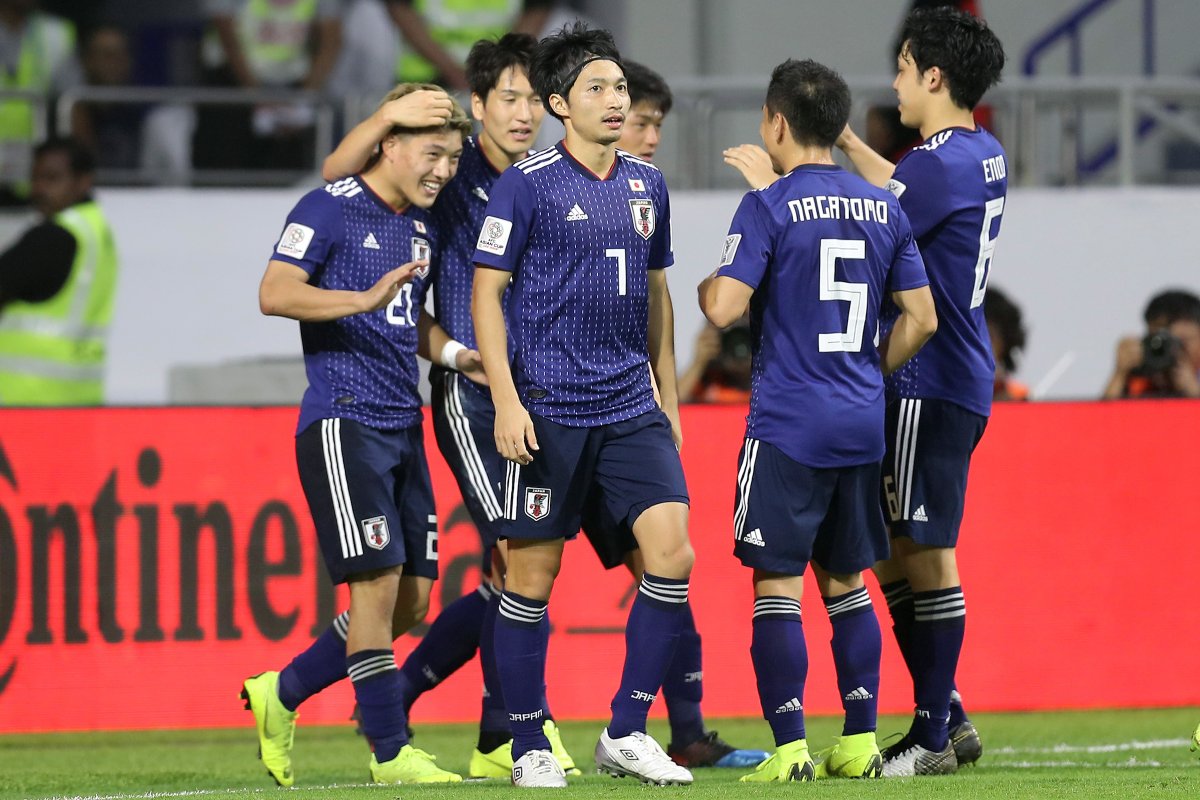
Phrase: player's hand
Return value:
(470, 363)
(423, 109)
(1129, 354)
(514, 433)
(754, 164)
(386, 288)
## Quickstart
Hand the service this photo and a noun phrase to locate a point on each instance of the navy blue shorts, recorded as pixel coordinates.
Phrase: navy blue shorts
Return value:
(370, 497)
(464, 422)
(611, 539)
(929, 447)
(633, 465)
(787, 514)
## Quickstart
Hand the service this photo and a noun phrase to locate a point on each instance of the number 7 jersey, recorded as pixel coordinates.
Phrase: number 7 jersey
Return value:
(953, 188)
(579, 247)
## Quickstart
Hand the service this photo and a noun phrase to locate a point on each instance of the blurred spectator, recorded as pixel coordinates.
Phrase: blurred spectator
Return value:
(110, 130)
(720, 368)
(1007, 330)
(438, 34)
(37, 54)
(1165, 362)
(289, 44)
(57, 286)
(650, 101)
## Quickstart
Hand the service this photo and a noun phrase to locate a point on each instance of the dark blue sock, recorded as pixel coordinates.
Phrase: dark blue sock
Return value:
(521, 662)
(450, 642)
(857, 647)
(321, 665)
(377, 690)
(939, 622)
(780, 660)
(544, 627)
(493, 718)
(651, 635)
(899, 597)
(683, 688)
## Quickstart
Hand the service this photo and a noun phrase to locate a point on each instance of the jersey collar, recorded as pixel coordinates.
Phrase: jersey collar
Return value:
(584, 171)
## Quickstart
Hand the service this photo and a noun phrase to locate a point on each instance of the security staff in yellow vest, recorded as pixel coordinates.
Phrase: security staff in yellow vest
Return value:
(56, 288)
(37, 55)
(438, 34)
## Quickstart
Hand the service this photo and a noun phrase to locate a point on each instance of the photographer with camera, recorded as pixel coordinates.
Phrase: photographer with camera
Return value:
(1165, 362)
(720, 368)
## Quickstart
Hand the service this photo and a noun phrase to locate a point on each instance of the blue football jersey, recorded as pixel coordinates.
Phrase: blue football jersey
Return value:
(821, 248)
(579, 247)
(953, 188)
(362, 367)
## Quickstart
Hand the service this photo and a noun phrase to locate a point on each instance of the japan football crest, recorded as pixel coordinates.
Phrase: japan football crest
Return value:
(643, 217)
(420, 252)
(537, 503)
(375, 532)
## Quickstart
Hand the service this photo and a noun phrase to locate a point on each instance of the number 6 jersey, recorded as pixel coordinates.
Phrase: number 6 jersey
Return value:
(579, 247)
(361, 367)
(821, 248)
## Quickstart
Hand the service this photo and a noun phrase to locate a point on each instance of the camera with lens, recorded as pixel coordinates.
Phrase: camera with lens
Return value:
(736, 343)
(1160, 351)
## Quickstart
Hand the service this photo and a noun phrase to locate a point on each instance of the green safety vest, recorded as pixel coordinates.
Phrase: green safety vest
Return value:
(456, 25)
(52, 353)
(274, 38)
(46, 43)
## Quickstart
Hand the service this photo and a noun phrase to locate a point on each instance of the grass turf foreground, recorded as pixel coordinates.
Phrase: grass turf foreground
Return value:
(1092, 754)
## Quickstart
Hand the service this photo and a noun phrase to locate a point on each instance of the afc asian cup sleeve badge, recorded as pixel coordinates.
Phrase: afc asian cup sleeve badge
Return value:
(643, 217)
(537, 503)
(375, 532)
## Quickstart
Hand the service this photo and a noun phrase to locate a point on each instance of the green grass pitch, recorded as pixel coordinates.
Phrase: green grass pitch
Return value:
(1092, 754)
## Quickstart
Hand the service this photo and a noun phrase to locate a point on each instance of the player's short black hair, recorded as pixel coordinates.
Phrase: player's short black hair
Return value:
(961, 45)
(1006, 316)
(1171, 306)
(559, 58)
(813, 99)
(489, 58)
(647, 86)
(79, 156)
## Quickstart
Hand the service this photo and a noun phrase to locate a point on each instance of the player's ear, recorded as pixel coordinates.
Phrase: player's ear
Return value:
(477, 106)
(934, 80)
(558, 104)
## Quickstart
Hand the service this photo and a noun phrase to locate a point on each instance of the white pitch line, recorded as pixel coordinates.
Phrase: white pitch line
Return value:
(1120, 747)
(274, 792)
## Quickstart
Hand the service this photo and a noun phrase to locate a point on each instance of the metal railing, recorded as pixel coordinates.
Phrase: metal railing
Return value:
(1037, 118)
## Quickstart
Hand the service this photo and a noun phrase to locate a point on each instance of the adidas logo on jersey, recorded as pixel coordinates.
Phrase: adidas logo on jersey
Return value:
(859, 694)
(754, 537)
(576, 214)
(789, 706)
(919, 515)
(371, 242)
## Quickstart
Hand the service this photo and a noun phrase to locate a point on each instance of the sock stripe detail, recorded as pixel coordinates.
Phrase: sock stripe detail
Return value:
(849, 603)
(341, 625)
(658, 589)
(776, 608)
(897, 593)
(940, 606)
(517, 611)
(371, 666)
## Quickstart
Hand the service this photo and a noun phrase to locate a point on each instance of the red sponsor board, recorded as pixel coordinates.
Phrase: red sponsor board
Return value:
(150, 559)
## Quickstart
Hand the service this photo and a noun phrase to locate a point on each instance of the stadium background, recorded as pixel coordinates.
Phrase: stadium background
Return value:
(1080, 521)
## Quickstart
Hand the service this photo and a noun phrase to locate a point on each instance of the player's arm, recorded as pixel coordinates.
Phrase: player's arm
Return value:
(514, 432)
(434, 344)
(915, 325)
(423, 109)
(873, 167)
(286, 292)
(661, 343)
(416, 33)
(724, 299)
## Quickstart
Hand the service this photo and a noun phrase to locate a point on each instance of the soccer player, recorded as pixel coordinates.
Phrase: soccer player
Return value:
(582, 232)
(812, 256)
(359, 445)
(510, 113)
(953, 189)
(691, 745)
